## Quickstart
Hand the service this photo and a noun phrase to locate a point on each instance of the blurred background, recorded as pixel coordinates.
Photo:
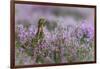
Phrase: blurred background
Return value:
(30, 14)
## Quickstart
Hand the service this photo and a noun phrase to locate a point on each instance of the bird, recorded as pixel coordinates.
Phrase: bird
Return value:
(38, 38)
(40, 33)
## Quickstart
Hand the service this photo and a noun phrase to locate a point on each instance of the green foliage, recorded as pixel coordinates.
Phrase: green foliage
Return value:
(82, 53)
(34, 42)
(29, 52)
(21, 62)
(39, 59)
(17, 44)
(57, 57)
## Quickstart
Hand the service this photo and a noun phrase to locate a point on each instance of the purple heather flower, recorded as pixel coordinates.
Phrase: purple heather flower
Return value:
(90, 31)
(21, 33)
(79, 33)
(32, 31)
(87, 29)
(25, 34)
(20, 27)
(65, 35)
(84, 24)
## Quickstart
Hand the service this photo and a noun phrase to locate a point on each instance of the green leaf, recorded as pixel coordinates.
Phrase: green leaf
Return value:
(29, 53)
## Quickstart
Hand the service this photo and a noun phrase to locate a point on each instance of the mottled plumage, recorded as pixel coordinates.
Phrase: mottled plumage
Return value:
(40, 34)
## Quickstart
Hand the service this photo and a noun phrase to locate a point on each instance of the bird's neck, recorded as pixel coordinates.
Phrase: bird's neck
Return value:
(40, 29)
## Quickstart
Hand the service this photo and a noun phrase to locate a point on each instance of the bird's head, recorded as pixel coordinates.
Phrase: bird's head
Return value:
(42, 22)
